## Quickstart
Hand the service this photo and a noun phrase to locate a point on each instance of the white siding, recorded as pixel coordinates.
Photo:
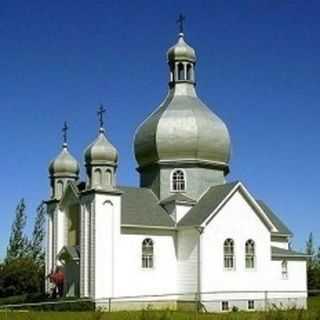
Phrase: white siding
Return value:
(181, 211)
(237, 220)
(187, 260)
(282, 245)
(130, 278)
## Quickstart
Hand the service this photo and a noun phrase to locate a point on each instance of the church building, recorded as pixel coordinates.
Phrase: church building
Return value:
(186, 233)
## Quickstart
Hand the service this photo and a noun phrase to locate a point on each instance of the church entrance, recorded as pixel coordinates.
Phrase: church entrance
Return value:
(70, 259)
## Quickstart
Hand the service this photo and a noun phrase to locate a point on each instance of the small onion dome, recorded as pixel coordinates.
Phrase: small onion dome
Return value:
(181, 51)
(65, 165)
(101, 151)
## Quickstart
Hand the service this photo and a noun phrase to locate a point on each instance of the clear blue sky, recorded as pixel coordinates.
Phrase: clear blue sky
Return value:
(258, 68)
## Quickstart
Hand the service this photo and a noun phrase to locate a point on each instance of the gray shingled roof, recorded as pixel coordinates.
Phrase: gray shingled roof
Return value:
(140, 206)
(282, 228)
(180, 198)
(72, 251)
(206, 205)
(284, 253)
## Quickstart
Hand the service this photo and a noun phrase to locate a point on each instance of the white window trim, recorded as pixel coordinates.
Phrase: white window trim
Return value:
(171, 180)
(234, 256)
(227, 310)
(153, 255)
(254, 257)
(254, 305)
(285, 274)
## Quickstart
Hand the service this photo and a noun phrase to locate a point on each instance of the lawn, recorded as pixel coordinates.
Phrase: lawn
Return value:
(313, 313)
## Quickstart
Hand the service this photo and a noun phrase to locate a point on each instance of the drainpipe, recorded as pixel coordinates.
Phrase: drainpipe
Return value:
(199, 256)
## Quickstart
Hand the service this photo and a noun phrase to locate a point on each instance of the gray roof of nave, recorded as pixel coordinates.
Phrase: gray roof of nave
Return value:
(178, 198)
(282, 228)
(211, 200)
(284, 253)
(140, 206)
(206, 205)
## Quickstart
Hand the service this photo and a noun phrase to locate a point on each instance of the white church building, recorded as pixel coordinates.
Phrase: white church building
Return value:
(185, 234)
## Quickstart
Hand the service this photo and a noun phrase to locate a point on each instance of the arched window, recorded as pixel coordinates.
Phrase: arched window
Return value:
(98, 177)
(228, 251)
(180, 71)
(147, 253)
(250, 254)
(108, 177)
(59, 188)
(284, 269)
(178, 181)
(189, 72)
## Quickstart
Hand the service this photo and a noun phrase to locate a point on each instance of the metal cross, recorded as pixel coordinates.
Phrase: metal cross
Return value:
(65, 132)
(100, 113)
(181, 19)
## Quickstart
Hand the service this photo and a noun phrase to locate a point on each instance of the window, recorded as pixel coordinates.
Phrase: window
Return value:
(178, 181)
(228, 250)
(98, 177)
(108, 177)
(189, 72)
(250, 304)
(147, 253)
(225, 305)
(180, 71)
(250, 254)
(284, 269)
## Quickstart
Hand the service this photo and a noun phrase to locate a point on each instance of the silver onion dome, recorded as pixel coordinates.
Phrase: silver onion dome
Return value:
(65, 165)
(182, 129)
(181, 51)
(101, 151)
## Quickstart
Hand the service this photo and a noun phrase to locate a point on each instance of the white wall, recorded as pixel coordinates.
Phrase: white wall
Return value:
(118, 255)
(131, 278)
(187, 260)
(238, 221)
(181, 211)
(280, 244)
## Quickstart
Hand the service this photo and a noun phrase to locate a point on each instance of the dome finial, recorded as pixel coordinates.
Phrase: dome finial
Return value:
(65, 134)
(100, 113)
(181, 19)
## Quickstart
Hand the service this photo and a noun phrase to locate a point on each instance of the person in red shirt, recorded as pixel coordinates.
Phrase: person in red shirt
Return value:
(58, 279)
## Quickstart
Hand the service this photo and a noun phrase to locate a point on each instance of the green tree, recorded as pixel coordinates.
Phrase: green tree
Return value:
(38, 235)
(310, 247)
(313, 264)
(18, 243)
(21, 276)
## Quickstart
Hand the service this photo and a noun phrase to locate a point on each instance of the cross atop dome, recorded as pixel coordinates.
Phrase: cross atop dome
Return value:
(65, 134)
(100, 113)
(181, 19)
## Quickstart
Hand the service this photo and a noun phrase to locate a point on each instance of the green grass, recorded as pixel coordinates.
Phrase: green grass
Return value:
(313, 313)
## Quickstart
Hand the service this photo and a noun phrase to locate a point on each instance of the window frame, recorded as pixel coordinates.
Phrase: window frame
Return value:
(223, 304)
(184, 181)
(250, 306)
(251, 255)
(147, 259)
(284, 270)
(227, 255)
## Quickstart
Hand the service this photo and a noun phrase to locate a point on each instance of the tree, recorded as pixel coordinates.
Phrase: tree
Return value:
(38, 235)
(310, 246)
(18, 243)
(313, 264)
(21, 276)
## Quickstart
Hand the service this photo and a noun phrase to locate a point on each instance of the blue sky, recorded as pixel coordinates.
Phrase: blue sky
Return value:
(258, 69)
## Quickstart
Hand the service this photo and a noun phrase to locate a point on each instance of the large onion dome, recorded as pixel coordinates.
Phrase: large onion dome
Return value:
(65, 165)
(101, 151)
(182, 129)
